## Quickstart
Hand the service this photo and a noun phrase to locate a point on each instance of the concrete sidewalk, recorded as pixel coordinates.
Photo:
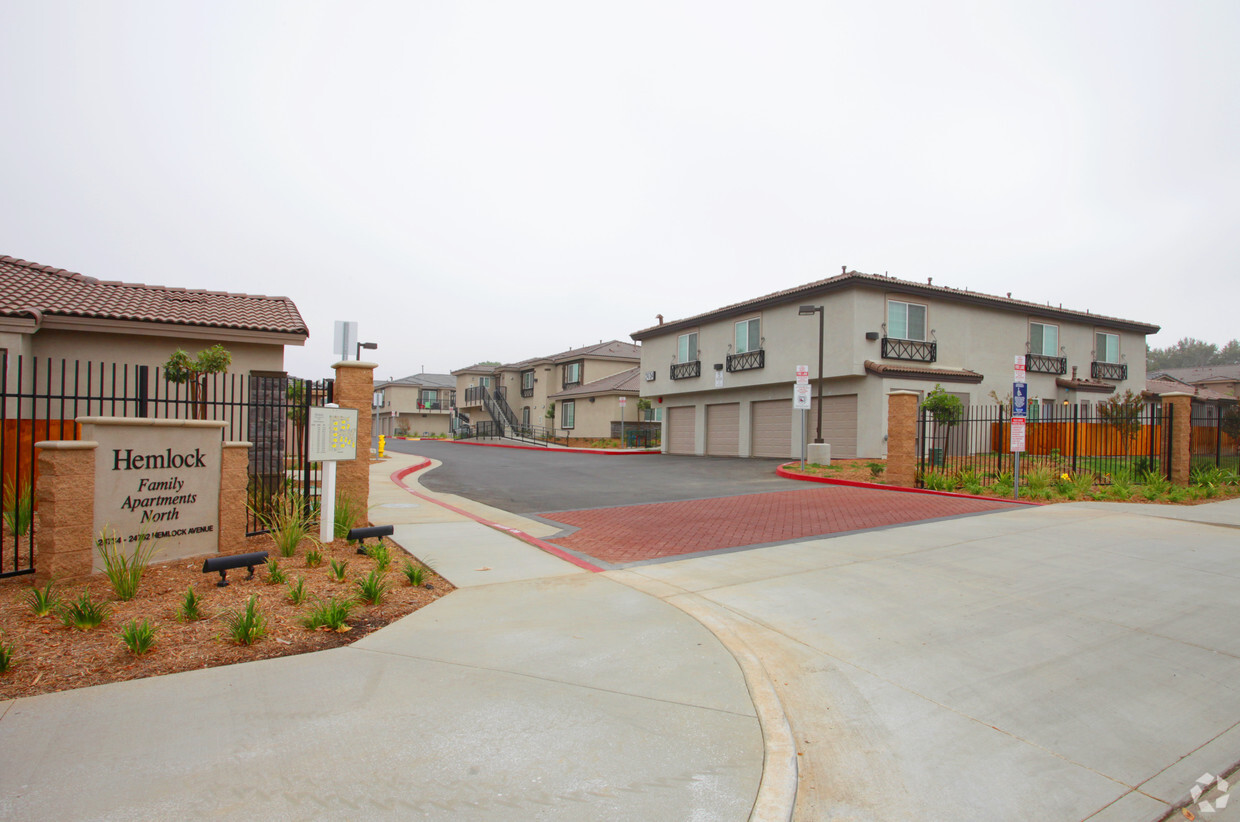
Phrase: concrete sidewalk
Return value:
(536, 691)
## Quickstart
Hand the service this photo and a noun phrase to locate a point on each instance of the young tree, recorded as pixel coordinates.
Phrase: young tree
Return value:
(1123, 413)
(181, 369)
(946, 410)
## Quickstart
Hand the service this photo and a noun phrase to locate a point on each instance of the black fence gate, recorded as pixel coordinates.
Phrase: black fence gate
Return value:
(42, 399)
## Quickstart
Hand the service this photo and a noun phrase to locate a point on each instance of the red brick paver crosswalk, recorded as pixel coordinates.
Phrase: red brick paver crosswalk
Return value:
(641, 532)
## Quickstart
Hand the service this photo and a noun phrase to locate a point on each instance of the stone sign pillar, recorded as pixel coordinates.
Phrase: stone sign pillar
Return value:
(234, 497)
(355, 388)
(65, 493)
(902, 438)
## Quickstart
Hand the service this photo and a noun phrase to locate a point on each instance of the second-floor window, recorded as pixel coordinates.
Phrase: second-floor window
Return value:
(572, 374)
(485, 381)
(748, 336)
(1106, 347)
(1044, 339)
(906, 321)
(429, 395)
(687, 347)
(527, 380)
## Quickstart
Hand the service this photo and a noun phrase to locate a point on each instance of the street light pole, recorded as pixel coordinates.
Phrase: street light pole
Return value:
(805, 311)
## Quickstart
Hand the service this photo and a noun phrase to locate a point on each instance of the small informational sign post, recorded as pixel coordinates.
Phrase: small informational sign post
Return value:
(333, 436)
(802, 400)
(1020, 410)
(344, 339)
(623, 402)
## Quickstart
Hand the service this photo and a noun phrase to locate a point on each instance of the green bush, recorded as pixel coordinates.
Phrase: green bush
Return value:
(138, 637)
(247, 625)
(297, 591)
(373, 587)
(191, 606)
(124, 570)
(331, 614)
(84, 613)
(275, 575)
(381, 554)
(42, 601)
(348, 513)
(6, 657)
(416, 574)
(288, 520)
(338, 566)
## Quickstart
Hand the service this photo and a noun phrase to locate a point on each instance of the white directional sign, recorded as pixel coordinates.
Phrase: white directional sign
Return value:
(801, 397)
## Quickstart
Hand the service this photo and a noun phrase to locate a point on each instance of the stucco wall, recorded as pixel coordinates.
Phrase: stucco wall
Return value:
(148, 350)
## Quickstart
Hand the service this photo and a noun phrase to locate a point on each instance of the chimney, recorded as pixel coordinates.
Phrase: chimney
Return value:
(843, 269)
(1074, 373)
(660, 318)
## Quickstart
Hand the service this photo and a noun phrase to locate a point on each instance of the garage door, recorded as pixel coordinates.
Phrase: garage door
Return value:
(772, 429)
(839, 424)
(681, 430)
(723, 429)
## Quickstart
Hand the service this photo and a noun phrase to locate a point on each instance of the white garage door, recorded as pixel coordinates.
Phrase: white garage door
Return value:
(839, 424)
(723, 429)
(681, 430)
(772, 429)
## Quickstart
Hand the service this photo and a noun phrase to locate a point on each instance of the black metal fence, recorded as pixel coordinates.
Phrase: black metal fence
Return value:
(1215, 438)
(42, 399)
(1060, 439)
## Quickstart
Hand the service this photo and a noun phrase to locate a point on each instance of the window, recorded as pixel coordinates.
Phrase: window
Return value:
(1106, 347)
(429, 395)
(527, 380)
(572, 374)
(525, 415)
(1044, 339)
(568, 414)
(748, 337)
(687, 347)
(906, 321)
(486, 381)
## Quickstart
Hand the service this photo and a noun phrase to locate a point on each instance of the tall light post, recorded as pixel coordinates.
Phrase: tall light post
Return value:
(806, 311)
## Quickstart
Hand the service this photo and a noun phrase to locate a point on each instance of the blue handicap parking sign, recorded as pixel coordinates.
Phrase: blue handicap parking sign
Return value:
(1020, 399)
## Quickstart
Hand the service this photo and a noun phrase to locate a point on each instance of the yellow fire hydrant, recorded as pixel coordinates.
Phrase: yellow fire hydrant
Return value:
(381, 440)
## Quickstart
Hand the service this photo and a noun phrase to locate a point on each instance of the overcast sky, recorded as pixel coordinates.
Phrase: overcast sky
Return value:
(501, 180)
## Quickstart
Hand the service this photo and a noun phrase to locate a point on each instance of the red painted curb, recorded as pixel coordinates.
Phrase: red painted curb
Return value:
(552, 450)
(860, 484)
(399, 476)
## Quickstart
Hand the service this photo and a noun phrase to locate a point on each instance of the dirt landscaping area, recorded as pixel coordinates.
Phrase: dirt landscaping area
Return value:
(47, 656)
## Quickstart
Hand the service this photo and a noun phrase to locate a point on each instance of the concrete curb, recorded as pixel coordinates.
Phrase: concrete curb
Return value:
(777, 790)
(780, 471)
(559, 449)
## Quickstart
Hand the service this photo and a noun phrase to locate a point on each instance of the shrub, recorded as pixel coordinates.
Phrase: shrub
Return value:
(18, 507)
(138, 637)
(381, 554)
(124, 570)
(84, 613)
(416, 574)
(297, 591)
(191, 606)
(876, 469)
(348, 513)
(373, 587)
(938, 481)
(1154, 485)
(329, 614)
(338, 566)
(42, 601)
(247, 625)
(288, 520)
(314, 558)
(6, 657)
(275, 575)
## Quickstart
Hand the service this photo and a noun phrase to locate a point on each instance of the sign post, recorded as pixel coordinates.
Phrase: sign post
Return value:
(1020, 410)
(623, 400)
(802, 401)
(333, 436)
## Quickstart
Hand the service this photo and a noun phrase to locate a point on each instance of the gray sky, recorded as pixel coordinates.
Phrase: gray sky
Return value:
(501, 180)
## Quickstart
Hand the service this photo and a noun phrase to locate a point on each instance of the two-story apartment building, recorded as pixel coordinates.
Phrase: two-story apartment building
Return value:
(725, 378)
(413, 405)
(547, 391)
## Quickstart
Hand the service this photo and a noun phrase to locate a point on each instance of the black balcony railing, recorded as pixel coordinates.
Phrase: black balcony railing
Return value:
(1043, 364)
(747, 361)
(685, 370)
(1108, 370)
(527, 392)
(896, 349)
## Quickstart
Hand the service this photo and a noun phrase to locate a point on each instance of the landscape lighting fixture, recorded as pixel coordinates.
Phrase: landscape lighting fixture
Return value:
(367, 346)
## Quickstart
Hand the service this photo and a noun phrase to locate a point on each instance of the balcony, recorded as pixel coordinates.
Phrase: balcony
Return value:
(895, 349)
(527, 392)
(1108, 370)
(747, 361)
(1043, 364)
(685, 370)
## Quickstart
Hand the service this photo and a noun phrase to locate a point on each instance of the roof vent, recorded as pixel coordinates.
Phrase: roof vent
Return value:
(929, 281)
(659, 317)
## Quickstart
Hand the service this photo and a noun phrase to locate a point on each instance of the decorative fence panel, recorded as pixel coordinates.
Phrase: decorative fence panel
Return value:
(41, 399)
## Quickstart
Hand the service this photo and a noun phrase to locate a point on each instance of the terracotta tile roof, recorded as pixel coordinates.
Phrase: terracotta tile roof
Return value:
(36, 291)
(850, 279)
(1156, 387)
(624, 382)
(1200, 374)
(921, 372)
(613, 350)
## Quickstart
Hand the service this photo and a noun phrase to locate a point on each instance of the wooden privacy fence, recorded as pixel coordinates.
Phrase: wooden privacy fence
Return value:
(1084, 439)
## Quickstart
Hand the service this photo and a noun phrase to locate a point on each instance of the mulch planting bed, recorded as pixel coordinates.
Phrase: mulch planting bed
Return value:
(47, 656)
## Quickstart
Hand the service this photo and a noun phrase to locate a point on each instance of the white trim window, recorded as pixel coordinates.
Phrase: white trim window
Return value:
(687, 347)
(527, 380)
(906, 321)
(1044, 339)
(748, 335)
(572, 373)
(1106, 347)
(568, 414)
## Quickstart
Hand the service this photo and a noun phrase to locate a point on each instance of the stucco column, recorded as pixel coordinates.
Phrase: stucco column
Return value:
(355, 388)
(234, 496)
(65, 492)
(1181, 434)
(902, 438)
